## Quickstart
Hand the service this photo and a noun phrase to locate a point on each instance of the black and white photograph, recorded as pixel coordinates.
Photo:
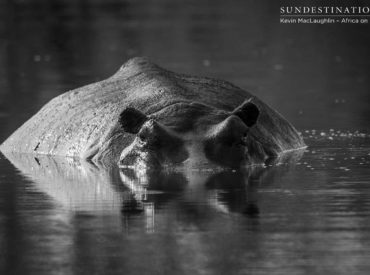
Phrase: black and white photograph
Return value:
(174, 137)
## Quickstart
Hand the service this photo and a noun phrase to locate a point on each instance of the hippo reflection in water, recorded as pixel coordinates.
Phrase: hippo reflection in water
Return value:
(145, 116)
(82, 187)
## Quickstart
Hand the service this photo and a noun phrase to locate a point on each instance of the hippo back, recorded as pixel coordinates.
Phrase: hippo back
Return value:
(85, 122)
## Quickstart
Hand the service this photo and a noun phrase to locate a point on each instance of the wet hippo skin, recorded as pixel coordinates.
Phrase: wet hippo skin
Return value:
(146, 116)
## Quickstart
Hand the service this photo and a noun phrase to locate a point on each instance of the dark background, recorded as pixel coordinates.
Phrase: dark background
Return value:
(317, 76)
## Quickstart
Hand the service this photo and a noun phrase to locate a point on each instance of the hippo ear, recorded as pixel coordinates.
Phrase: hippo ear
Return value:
(131, 120)
(248, 112)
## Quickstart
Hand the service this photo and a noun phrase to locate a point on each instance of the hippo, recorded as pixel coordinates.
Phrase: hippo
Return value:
(145, 116)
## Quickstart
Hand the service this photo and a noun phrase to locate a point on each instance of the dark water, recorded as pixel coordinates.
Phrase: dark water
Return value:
(310, 216)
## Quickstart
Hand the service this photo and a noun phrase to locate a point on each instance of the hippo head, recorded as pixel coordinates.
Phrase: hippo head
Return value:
(220, 141)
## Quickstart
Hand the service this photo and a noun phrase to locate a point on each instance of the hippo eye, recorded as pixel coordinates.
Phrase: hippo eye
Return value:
(142, 137)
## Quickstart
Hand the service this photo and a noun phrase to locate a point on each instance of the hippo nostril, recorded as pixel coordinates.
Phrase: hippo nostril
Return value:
(180, 157)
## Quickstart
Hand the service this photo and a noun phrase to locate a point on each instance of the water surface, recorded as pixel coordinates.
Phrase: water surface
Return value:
(305, 217)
